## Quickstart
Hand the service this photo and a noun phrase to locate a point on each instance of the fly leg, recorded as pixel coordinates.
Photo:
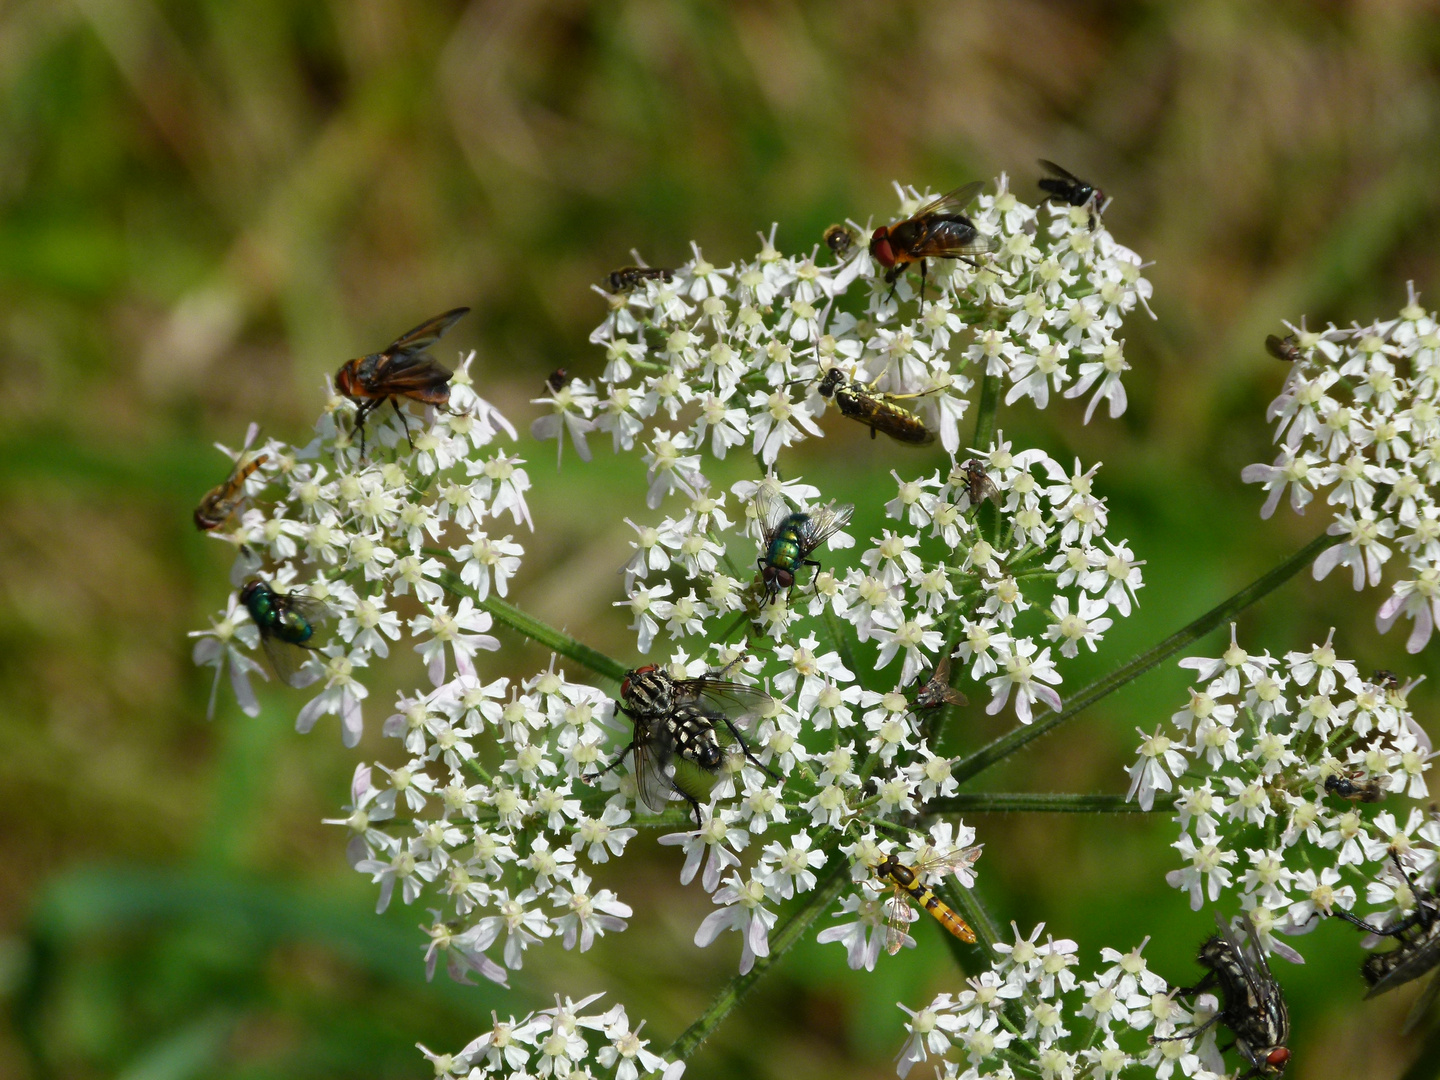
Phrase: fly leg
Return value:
(1423, 915)
(745, 749)
(403, 422)
(892, 276)
(922, 285)
(366, 408)
(815, 562)
(615, 764)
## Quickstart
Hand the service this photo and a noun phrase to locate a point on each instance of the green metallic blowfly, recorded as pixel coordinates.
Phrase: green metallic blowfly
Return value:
(789, 538)
(287, 623)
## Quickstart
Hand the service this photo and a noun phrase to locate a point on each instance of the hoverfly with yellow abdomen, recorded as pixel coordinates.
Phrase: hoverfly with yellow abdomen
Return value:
(403, 369)
(908, 881)
(225, 498)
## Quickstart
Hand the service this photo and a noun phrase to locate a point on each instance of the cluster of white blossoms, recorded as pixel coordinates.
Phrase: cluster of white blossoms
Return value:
(1359, 418)
(1281, 770)
(358, 534)
(1032, 1014)
(740, 349)
(563, 1042)
(501, 802)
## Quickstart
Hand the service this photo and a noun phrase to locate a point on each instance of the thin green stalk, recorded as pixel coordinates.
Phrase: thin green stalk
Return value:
(535, 630)
(780, 942)
(985, 414)
(988, 802)
(1006, 745)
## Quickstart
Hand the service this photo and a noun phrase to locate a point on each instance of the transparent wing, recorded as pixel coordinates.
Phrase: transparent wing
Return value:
(1421, 957)
(771, 510)
(939, 866)
(427, 333)
(952, 202)
(1064, 174)
(825, 521)
(651, 759)
(1422, 1005)
(897, 927)
(718, 697)
(287, 659)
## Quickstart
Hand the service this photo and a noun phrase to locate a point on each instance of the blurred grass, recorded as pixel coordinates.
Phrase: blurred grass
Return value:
(207, 206)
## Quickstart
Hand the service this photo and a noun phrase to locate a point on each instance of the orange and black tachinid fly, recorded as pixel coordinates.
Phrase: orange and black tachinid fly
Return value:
(938, 230)
(402, 369)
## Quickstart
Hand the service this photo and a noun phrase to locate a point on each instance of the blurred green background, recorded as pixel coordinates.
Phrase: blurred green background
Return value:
(206, 206)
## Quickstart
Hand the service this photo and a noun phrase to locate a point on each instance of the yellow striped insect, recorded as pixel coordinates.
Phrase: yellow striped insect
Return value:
(908, 880)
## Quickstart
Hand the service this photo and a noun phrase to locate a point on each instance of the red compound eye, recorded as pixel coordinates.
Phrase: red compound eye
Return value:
(1278, 1057)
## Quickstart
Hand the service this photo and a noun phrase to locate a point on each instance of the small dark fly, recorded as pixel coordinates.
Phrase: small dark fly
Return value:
(1416, 952)
(1251, 1003)
(876, 411)
(789, 537)
(907, 882)
(684, 728)
(1354, 785)
(937, 691)
(1064, 186)
(978, 485)
(402, 370)
(938, 230)
(225, 498)
(557, 379)
(1385, 680)
(839, 239)
(1286, 348)
(288, 623)
(629, 278)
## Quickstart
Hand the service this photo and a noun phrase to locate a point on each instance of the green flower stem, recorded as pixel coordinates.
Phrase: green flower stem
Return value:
(985, 415)
(536, 630)
(1006, 745)
(787, 935)
(986, 802)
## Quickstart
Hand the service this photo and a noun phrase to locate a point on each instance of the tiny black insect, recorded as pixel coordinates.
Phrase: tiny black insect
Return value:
(1286, 348)
(629, 278)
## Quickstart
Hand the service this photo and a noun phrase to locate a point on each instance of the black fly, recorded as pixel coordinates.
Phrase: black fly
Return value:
(1251, 1004)
(682, 725)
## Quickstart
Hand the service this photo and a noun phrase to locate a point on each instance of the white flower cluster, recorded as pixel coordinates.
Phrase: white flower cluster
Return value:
(1031, 1014)
(1359, 417)
(744, 346)
(999, 558)
(1281, 768)
(354, 535)
(563, 1043)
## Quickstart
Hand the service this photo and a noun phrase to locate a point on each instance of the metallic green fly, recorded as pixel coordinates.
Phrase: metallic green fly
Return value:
(287, 623)
(789, 536)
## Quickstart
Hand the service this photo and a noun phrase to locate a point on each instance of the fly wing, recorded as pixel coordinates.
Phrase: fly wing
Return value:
(898, 924)
(1422, 1005)
(770, 510)
(1257, 971)
(952, 202)
(1064, 174)
(825, 521)
(415, 374)
(1420, 957)
(729, 699)
(427, 333)
(651, 758)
